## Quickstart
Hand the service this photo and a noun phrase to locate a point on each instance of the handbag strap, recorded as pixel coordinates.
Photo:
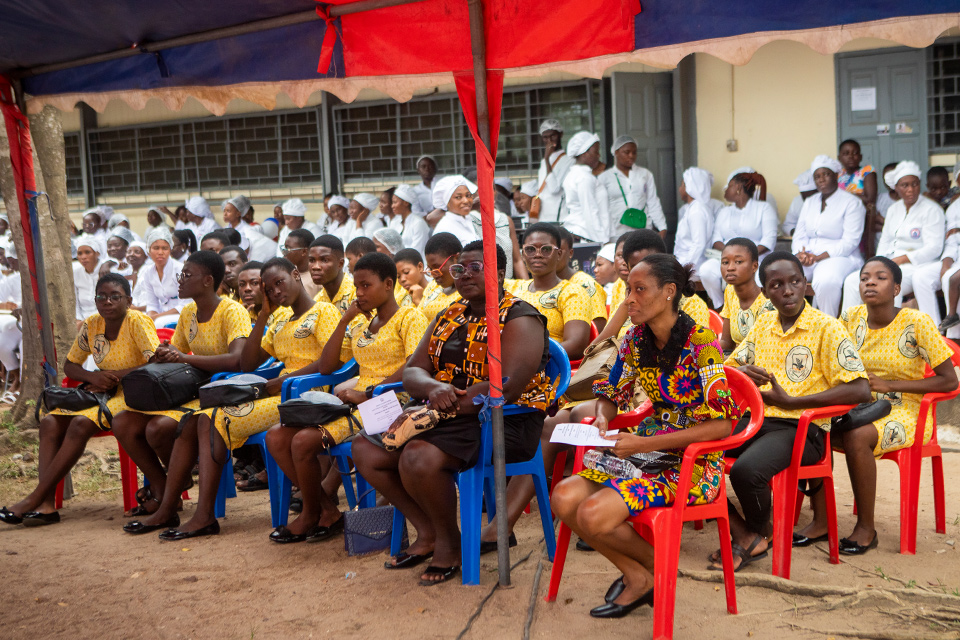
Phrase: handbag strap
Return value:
(552, 167)
(621, 189)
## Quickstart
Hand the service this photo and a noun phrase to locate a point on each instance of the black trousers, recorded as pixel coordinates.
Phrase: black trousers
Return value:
(763, 456)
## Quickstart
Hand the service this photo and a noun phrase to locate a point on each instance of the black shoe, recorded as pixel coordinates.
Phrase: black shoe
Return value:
(296, 505)
(407, 560)
(613, 610)
(9, 517)
(319, 533)
(615, 590)
(490, 546)
(850, 548)
(803, 541)
(35, 519)
(862, 414)
(949, 322)
(137, 528)
(282, 535)
(175, 535)
(583, 546)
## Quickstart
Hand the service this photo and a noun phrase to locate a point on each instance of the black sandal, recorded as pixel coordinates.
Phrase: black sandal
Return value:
(405, 560)
(744, 555)
(141, 509)
(445, 573)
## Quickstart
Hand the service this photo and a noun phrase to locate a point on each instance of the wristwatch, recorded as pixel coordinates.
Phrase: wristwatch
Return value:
(369, 391)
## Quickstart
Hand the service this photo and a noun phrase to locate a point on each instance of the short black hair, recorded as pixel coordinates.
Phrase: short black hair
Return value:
(185, 236)
(777, 256)
(443, 244)
(565, 237)
(282, 263)
(303, 235)
(849, 141)
(408, 255)
(389, 191)
(117, 279)
(253, 264)
(379, 264)
(643, 240)
(233, 236)
(747, 244)
(892, 266)
(623, 238)
(211, 262)
(551, 230)
(360, 246)
(938, 171)
(233, 247)
(331, 242)
(477, 245)
(216, 235)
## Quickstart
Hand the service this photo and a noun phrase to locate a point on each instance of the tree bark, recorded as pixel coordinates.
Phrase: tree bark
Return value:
(54, 221)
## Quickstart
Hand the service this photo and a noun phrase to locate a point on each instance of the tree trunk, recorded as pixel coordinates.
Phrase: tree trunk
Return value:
(49, 167)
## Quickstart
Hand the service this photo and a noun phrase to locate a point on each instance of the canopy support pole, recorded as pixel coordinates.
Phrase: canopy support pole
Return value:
(492, 286)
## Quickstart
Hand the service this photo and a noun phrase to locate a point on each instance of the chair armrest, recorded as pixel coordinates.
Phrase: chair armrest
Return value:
(383, 388)
(808, 416)
(295, 385)
(269, 370)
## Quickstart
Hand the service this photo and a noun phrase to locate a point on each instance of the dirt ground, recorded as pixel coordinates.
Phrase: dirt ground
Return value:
(85, 578)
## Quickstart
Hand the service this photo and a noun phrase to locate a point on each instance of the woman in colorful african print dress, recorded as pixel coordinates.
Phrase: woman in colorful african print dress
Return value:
(120, 340)
(679, 365)
(896, 345)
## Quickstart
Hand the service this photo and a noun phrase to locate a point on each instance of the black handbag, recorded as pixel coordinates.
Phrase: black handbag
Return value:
(302, 412)
(370, 530)
(162, 386)
(230, 392)
(75, 399)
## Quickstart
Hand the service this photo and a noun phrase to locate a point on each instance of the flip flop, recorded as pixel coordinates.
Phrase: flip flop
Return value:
(445, 573)
(406, 560)
(744, 555)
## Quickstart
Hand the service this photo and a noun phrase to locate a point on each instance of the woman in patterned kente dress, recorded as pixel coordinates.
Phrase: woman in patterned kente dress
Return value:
(680, 367)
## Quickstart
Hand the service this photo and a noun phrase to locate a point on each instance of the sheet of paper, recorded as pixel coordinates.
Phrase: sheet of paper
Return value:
(864, 99)
(581, 435)
(379, 413)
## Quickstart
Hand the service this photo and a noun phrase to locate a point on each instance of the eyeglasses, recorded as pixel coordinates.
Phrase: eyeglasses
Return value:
(183, 275)
(545, 250)
(285, 249)
(113, 297)
(436, 273)
(457, 271)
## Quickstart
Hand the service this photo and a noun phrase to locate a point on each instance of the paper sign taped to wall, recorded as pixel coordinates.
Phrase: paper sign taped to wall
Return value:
(863, 99)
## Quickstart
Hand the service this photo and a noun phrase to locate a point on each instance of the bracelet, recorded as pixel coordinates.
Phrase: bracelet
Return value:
(369, 391)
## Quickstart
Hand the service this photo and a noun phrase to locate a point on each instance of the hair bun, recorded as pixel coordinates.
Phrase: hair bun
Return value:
(688, 289)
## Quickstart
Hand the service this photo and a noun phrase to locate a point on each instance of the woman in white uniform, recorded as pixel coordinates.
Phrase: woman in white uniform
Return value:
(454, 195)
(201, 217)
(413, 228)
(827, 237)
(587, 199)
(696, 228)
(161, 291)
(86, 272)
(630, 186)
(362, 222)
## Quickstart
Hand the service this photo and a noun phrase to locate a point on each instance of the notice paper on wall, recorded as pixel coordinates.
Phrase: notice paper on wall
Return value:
(581, 435)
(379, 413)
(863, 99)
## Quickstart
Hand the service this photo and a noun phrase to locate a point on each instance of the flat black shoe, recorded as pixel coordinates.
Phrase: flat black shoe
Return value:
(445, 573)
(849, 547)
(583, 546)
(320, 533)
(490, 546)
(10, 517)
(614, 610)
(296, 505)
(137, 528)
(803, 541)
(407, 560)
(615, 590)
(282, 535)
(36, 519)
(949, 322)
(175, 535)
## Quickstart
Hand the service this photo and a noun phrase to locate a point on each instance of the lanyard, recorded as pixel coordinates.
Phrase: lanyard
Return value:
(621, 188)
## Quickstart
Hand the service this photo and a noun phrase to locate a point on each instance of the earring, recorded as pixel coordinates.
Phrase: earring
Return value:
(669, 298)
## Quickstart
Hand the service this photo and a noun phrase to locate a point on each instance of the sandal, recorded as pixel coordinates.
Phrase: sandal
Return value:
(405, 560)
(141, 509)
(445, 573)
(744, 555)
(252, 483)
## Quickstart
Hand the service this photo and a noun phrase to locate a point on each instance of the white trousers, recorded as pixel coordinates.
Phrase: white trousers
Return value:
(712, 280)
(926, 282)
(826, 277)
(851, 286)
(10, 340)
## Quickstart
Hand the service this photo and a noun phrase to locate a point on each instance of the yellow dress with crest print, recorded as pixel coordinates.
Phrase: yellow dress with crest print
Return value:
(402, 295)
(899, 351)
(563, 303)
(344, 297)
(230, 321)
(741, 320)
(134, 346)
(598, 297)
(378, 355)
(435, 300)
(296, 343)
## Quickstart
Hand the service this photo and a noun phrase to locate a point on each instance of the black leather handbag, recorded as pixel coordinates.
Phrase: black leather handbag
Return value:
(76, 399)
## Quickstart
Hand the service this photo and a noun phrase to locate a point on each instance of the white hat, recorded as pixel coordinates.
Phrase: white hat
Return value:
(294, 207)
(92, 241)
(140, 244)
(550, 125)
(406, 193)
(269, 228)
(240, 203)
(443, 190)
(902, 170)
(825, 162)
(430, 158)
(581, 142)
(530, 188)
(506, 183)
(10, 248)
(339, 200)
(737, 172)
(197, 205)
(390, 238)
(805, 182)
(161, 232)
(698, 183)
(124, 234)
(367, 200)
(608, 251)
(619, 142)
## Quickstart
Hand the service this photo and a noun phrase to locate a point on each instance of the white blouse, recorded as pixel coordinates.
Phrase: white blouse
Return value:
(162, 295)
(636, 190)
(84, 288)
(459, 226)
(587, 199)
(757, 221)
(836, 230)
(552, 205)
(693, 234)
(917, 234)
(414, 231)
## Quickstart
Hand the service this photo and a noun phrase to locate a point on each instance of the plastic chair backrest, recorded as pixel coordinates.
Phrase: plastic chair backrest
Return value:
(170, 325)
(165, 333)
(716, 323)
(558, 366)
(594, 332)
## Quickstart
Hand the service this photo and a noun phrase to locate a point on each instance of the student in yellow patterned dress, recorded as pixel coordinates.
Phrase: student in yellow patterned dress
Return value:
(679, 365)
(566, 305)
(411, 274)
(210, 336)
(441, 251)
(743, 300)
(896, 345)
(800, 358)
(598, 297)
(381, 344)
(120, 340)
(326, 271)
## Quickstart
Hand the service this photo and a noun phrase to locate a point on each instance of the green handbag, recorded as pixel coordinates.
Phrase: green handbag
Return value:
(632, 217)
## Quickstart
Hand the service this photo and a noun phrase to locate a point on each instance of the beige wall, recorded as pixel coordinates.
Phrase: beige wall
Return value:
(780, 107)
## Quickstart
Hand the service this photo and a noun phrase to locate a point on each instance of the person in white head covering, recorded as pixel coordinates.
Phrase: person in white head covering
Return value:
(362, 220)
(454, 194)
(696, 228)
(505, 187)
(161, 290)
(138, 256)
(115, 260)
(414, 230)
(828, 233)
(912, 236)
(4, 225)
(746, 217)
(528, 191)
(630, 186)
(294, 217)
(554, 166)
(586, 199)
(807, 188)
(387, 241)
(86, 272)
(426, 167)
(93, 223)
(200, 217)
(11, 297)
(339, 215)
(252, 241)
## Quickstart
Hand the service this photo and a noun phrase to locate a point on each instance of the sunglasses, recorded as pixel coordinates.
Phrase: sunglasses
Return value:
(436, 273)
(285, 249)
(113, 297)
(457, 271)
(546, 250)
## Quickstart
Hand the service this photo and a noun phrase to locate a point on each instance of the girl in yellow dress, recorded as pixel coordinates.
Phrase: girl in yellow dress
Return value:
(120, 340)
(895, 345)
(743, 300)
(380, 335)
(411, 274)
(566, 305)
(598, 297)
(441, 251)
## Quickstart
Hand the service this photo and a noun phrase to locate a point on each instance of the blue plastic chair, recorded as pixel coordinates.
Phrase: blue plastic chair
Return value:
(170, 325)
(477, 482)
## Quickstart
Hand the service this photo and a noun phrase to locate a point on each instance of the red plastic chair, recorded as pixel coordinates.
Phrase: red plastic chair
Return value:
(663, 527)
(716, 323)
(165, 334)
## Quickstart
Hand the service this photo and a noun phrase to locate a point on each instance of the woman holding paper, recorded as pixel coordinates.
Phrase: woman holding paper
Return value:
(679, 366)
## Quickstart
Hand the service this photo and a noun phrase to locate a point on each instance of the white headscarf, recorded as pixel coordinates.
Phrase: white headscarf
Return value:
(550, 125)
(430, 158)
(99, 212)
(241, 203)
(902, 170)
(443, 190)
(269, 228)
(294, 207)
(159, 233)
(116, 219)
(825, 162)
(506, 183)
(608, 251)
(124, 234)
(736, 172)
(581, 142)
(698, 183)
(619, 142)
(141, 245)
(87, 240)
(805, 182)
(340, 200)
(367, 200)
(389, 238)
(529, 188)
(405, 192)
(197, 205)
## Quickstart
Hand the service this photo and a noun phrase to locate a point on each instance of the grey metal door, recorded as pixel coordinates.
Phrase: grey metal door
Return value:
(643, 108)
(895, 85)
